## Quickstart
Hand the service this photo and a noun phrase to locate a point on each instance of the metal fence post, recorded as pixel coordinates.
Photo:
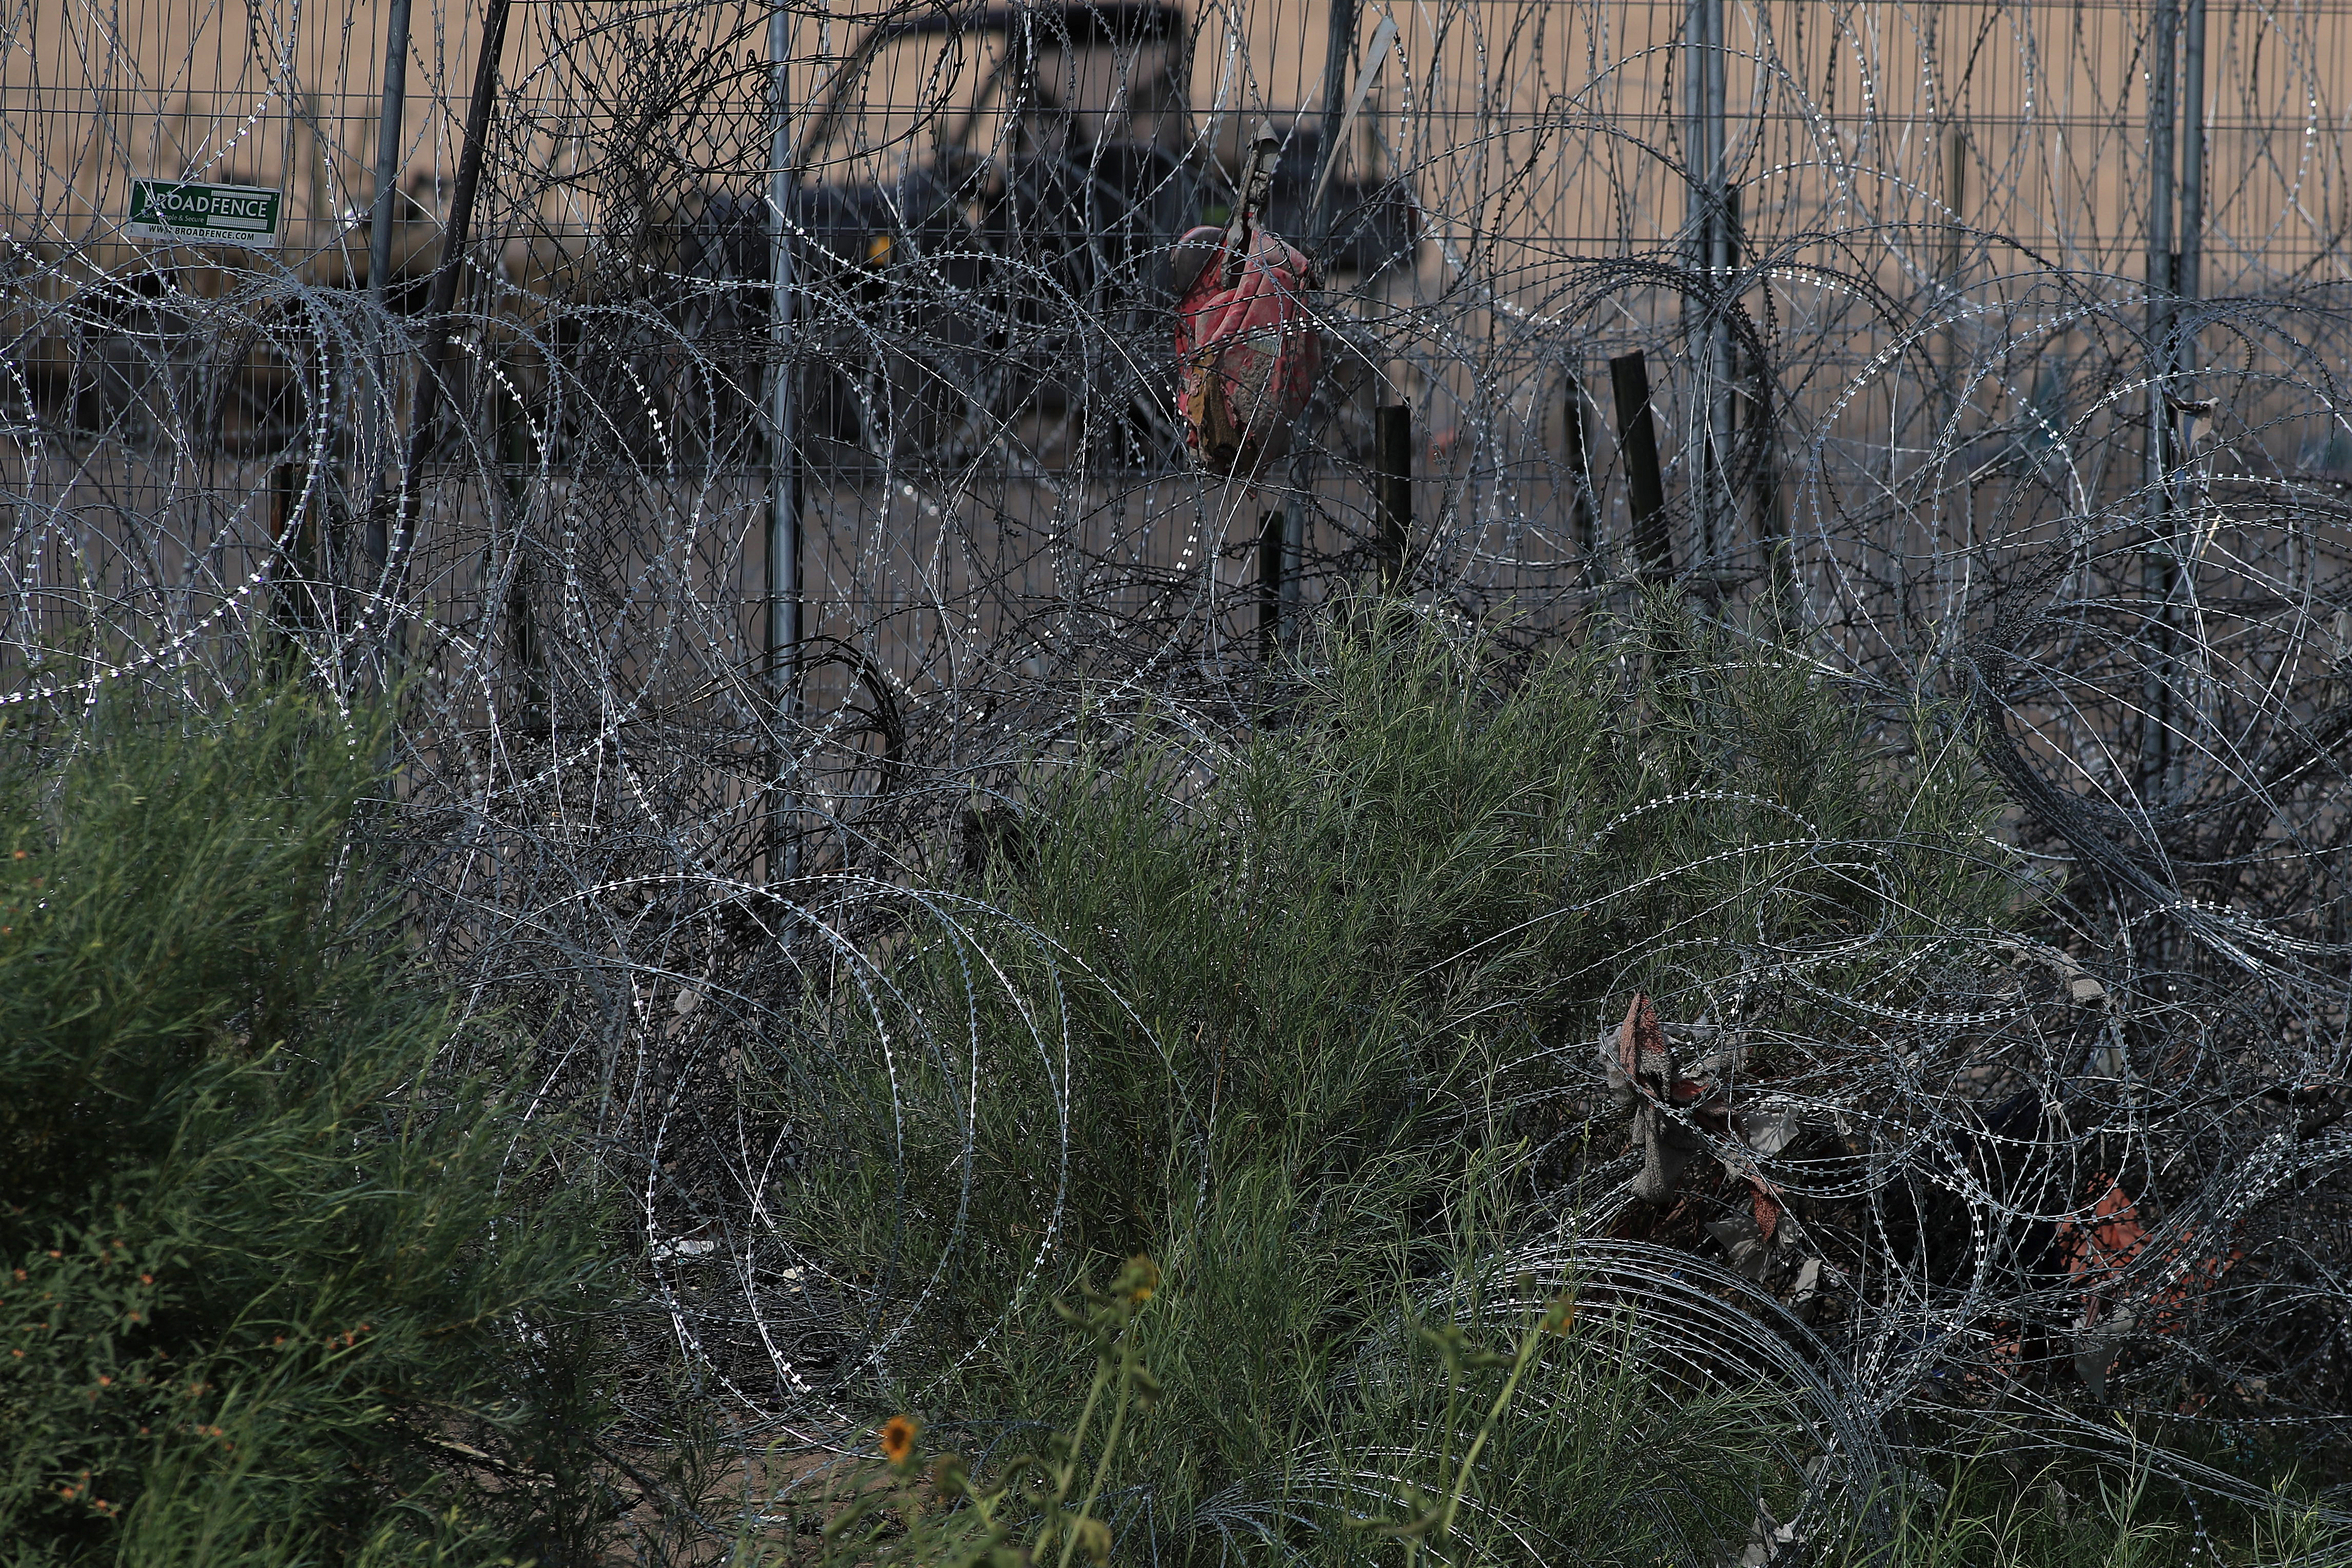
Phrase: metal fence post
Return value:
(448, 271)
(1271, 541)
(387, 188)
(1645, 483)
(2163, 46)
(782, 577)
(294, 567)
(1393, 465)
(2161, 565)
(1339, 43)
(1584, 510)
(2190, 283)
(1711, 247)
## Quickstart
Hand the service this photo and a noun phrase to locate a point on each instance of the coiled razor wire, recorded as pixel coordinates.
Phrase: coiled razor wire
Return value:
(722, 623)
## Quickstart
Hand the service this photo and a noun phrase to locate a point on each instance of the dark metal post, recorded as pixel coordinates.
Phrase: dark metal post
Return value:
(1720, 260)
(1645, 482)
(294, 572)
(783, 586)
(1272, 530)
(2160, 564)
(522, 621)
(1339, 43)
(1294, 557)
(387, 189)
(1715, 151)
(1584, 510)
(447, 274)
(1710, 242)
(387, 149)
(1954, 151)
(2190, 284)
(2162, 47)
(1392, 464)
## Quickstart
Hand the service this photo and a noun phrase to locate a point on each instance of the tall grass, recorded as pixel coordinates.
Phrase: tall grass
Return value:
(277, 1289)
(1998, 1508)
(1299, 1014)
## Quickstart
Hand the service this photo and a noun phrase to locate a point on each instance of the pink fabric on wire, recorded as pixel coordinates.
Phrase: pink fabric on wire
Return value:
(1247, 355)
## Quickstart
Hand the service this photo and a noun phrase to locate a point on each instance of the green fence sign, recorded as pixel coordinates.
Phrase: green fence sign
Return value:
(182, 212)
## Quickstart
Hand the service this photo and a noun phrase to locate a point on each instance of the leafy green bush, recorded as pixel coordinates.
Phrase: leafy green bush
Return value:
(1295, 1015)
(278, 1288)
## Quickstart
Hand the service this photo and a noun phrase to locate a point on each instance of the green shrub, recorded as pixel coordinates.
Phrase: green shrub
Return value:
(278, 1290)
(1512, 1415)
(1294, 1014)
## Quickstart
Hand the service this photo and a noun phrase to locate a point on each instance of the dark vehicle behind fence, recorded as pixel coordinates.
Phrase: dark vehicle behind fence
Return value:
(1015, 267)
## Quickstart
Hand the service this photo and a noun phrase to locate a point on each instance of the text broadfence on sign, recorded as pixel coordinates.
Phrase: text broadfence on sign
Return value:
(186, 212)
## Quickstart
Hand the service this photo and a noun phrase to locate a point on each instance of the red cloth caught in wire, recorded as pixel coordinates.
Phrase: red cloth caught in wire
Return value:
(1246, 348)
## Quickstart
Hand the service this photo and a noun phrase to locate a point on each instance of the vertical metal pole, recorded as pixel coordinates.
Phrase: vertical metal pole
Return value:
(1711, 243)
(2160, 561)
(1338, 45)
(294, 573)
(387, 149)
(318, 223)
(1293, 556)
(1393, 427)
(1272, 530)
(2191, 283)
(1694, 126)
(1584, 515)
(1645, 482)
(1699, 241)
(380, 221)
(783, 553)
(1719, 261)
(1955, 195)
(448, 272)
(1947, 167)
(1718, 257)
(2162, 46)
(523, 622)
